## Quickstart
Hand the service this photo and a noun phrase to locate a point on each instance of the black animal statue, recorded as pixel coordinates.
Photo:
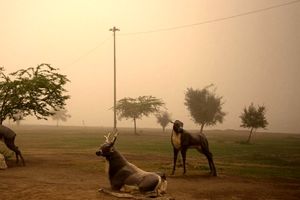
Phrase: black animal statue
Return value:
(126, 177)
(182, 140)
(8, 136)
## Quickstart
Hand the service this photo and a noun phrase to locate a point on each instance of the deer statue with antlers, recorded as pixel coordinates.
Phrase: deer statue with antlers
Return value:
(126, 177)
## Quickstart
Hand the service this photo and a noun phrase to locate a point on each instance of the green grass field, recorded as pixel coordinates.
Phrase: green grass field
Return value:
(270, 155)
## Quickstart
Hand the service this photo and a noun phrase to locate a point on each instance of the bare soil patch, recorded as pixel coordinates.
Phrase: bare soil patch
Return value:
(77, 176)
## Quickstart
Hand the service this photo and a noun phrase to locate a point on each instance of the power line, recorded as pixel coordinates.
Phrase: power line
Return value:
(213, 20)
(90, 51)
(187, 26)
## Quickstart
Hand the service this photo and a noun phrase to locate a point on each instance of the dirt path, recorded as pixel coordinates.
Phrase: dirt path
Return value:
(75, 176)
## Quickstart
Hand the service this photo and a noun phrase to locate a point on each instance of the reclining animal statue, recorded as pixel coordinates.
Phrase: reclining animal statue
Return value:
(126, 177)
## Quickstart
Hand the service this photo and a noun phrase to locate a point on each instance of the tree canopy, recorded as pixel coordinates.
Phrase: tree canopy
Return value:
(163, 118)
(205, 106)
(32, 91)
(253, 118)
(136, 108)
(60, 115)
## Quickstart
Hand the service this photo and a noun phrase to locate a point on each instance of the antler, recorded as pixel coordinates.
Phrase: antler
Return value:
(107, 137)
(116, 134)
(115, 137)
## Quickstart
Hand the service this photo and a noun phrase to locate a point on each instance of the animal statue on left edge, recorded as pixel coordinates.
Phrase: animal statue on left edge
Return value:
(8, 136)
(126, 177)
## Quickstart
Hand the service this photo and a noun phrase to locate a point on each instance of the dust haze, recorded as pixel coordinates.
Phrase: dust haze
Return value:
(250, 58)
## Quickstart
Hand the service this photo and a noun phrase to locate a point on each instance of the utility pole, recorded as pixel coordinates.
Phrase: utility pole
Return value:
(114, 29)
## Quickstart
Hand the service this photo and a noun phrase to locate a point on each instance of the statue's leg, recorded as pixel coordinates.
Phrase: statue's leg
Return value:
(183, 155)
(175, 154)
(10, 143)
(212, 167)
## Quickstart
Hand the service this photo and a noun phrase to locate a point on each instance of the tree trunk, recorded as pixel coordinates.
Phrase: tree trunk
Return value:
(134, 122)
(248, 141)
(202, 126)
(164, 128)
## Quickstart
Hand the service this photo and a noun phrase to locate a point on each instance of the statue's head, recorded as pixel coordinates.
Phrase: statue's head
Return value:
(178, 126)
(107, 148)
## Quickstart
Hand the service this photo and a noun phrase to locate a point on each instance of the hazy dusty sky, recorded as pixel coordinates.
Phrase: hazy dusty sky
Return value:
(253, 58)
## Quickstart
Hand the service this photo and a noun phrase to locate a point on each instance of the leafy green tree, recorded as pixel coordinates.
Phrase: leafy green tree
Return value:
(205, 106)
(253, 118)
(32, 91)
(60, 115)
(163, 118)
(136, 108)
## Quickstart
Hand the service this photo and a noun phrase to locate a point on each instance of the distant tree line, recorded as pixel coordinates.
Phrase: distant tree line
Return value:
(204, 105)
(40, 92)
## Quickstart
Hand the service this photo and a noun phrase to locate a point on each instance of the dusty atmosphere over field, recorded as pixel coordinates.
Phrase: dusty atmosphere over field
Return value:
(248, 49)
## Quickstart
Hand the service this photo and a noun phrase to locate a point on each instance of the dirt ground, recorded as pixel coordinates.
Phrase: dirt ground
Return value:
(68, 177)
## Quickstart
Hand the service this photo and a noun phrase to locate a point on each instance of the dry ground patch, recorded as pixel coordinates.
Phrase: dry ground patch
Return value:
(61, 164)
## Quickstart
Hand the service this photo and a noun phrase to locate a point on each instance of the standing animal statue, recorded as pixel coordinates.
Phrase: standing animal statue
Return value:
(126, 177)
(182, 140)
(8, 136)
